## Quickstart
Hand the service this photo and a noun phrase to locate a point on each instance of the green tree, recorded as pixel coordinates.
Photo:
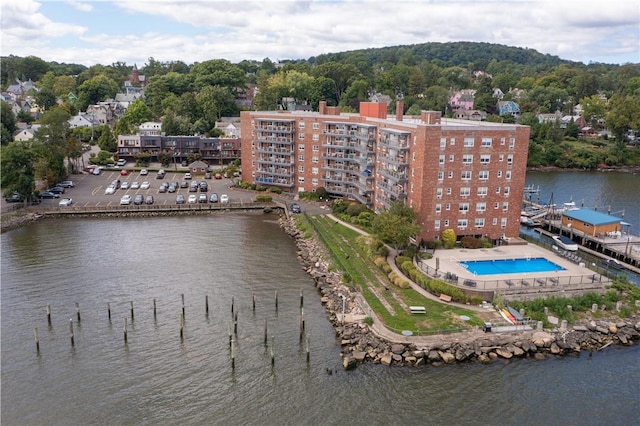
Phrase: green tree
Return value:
(217, 72)
(45, 99)
(396, 225)
(51, 145)
(594, 109)
(17, 169)
(107, 141)
(340, 74)
(624, 115)
(448, 237)
(7, 123)
(96, 89)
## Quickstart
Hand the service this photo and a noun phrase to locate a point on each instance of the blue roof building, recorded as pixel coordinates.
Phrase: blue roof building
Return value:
(591, 222)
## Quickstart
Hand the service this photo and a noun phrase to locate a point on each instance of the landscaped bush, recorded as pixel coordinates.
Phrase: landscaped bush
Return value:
(433, 286)
(264, 198)
(380, 261)
(354, 209)
(471, 242)
(275, 190)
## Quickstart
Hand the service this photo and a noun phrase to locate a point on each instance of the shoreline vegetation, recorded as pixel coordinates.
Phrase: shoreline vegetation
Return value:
(356, 302)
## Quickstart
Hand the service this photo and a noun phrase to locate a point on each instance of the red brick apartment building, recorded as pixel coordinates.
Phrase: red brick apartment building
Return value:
(465, 175)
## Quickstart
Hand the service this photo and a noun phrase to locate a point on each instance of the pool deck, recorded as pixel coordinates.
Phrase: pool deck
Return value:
(574, 276)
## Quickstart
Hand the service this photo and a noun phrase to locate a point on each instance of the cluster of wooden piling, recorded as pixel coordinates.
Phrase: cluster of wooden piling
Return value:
(305, 338)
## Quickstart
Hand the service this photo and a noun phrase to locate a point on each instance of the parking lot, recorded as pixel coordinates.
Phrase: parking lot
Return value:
(89, 190)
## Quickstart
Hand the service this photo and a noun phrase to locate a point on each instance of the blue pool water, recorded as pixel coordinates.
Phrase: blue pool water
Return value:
(511, 266)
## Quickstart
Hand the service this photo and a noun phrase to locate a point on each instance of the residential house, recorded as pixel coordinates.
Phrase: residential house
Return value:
(150, 128)
(472, 114)
(21, 88)
(497, 93)
(83, 119)
(198, 167)
(26, 133)
(550, 118)
(578, 120)
(462, 99)
(508, 108)
(136, 79)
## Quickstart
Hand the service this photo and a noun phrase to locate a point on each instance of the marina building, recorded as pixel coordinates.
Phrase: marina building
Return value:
(456, 174)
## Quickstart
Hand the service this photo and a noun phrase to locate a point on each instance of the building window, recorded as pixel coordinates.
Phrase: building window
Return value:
(301, 125)
(452, 158)
(450, 174)
(438, 208)
(509, 159)
(486, 142)
(438, 192)
(316, 126)
(301, 147)
(301, 179)
(463, 208)
(316, 148)
(501, 158)
(485, 159)
(314, 181)
(497, 189)
(441, 160)
(505, 206)
(441, 176)
(462, 223)
(496, 205)
(483, 174)
(499, 173)
(494, 221)
(508, 175)
(503, 222)
(443, 143)
(483, 191)
(512, 143)
(466, 175)
(316, 137)
(502, 141)
(479, 222)
(436, 225)
(315, 160)
(447, 206)
(465, 191)
(446, 223)
(314, 170)
(481, 207)
(301, 169)
(449, 191)
(452, 141)
(467, 159)
(300, 135)
(468, 142)
(301, 157)
(506, 191)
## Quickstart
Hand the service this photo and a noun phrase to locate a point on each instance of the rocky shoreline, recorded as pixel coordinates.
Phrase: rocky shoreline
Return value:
(362, 343)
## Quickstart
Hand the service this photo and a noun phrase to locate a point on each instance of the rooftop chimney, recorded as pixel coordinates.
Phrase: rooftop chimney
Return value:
(399, 110)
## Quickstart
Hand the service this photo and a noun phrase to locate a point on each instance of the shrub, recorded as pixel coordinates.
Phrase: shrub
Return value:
(263, 198)
(368, 320)
(380, 261)
(354, 209)
(470, 242)
(275, 190)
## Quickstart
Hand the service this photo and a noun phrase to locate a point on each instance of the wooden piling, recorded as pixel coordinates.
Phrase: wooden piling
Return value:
(273, 355)
(71, 331)
(206, 304)
(276, 300)
(181, 320)
(232, 303)
(233, 357)
(253, 297)
(124, 329)
(78, 311)
(301, 299)
(154, 308)
(37, 339)
(182, 304)
(49, 315)
(308, 344)
(230, 335)
(131, 302)
(109, 311)
(265, 332)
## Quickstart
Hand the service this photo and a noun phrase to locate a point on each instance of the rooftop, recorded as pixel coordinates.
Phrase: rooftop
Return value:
(591, 216)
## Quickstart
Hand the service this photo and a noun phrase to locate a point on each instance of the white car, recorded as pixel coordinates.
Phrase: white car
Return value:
(125, 200)
(65, 202)
(125, 185)
(224, 198)
(111, 189)
(192, 199)
(135, 185)
(187, 176)
(144, 172)
(145, 185)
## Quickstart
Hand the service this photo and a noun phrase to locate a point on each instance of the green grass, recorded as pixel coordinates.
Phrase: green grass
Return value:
(354, 261)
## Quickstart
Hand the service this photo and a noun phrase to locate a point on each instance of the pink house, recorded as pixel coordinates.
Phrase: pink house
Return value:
(462, 99)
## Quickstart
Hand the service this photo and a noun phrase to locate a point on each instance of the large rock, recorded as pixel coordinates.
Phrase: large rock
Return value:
(359, 355)
(386, 359)
(434, 356)
(504, 353)
(397, 348)
(349, 363)
(447, 357)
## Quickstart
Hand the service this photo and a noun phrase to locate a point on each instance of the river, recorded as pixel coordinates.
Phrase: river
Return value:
(159, 378)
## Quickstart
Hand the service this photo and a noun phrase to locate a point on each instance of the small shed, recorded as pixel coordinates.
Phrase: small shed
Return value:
(198, 167)
(591, 222)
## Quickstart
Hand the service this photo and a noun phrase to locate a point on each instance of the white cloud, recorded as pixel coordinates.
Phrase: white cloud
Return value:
(81, 6)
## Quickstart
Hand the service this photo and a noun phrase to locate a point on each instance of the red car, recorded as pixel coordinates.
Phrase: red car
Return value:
(124, 172)
(218, 176)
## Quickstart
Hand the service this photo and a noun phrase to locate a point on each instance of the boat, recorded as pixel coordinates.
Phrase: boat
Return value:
(614, 264)
(529, 222)
(505, 314)
(565, 242)
(514, 313)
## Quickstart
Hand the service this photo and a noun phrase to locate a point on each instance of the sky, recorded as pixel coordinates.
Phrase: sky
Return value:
(91, 32)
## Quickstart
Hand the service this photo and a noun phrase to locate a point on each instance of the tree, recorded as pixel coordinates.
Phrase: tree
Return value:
(96, 89)
(341, 74)
(106, 141)
(624, 115)
(45, 99)
(17, 169)
(51, 145)
(217, 72)
(7, 123)
(396, 225)
(137, 113)
(448, 237)
(594, 109)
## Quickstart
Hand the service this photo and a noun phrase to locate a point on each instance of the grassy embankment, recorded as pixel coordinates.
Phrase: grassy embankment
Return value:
(350, 255)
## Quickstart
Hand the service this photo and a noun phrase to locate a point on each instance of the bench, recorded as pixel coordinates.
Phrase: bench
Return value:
(418, 309)
(509, 283)
(470, 283)
(541, 282)
(445, 297)
(554, 281)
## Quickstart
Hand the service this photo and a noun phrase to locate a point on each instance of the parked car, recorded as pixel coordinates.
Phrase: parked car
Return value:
(163, 188)
(207, 175)
(145, 185)
(224, 198)
(125, 185)
(204, 187)
(202, 198)
(111, 189)
(213, 198)
(14, 198)
(295, 208)
(218, 176)
(173, 187)
(48, 194)
(125, 200)
(121, 162)
(66, 184)
(138, 199)
(96, 171)
(124, 172)
(149, 199)
(179, 199)
(187, 176)
(135, 185)
(192, 199)
(116, 183)
(160, 174)
(144, 172)
(65, 202)
(56, 190)
(193, 188)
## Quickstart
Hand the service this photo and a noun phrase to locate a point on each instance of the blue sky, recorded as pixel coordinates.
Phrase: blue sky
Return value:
(93, 32)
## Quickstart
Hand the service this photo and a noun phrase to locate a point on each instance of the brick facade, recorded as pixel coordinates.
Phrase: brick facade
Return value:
(467, 176)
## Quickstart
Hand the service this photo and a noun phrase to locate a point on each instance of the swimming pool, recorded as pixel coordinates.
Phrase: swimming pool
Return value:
(510, 266)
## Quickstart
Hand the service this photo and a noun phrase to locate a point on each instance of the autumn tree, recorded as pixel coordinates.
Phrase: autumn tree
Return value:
(396, 225)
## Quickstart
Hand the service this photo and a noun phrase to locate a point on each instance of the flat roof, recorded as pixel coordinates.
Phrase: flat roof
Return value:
(591, 216)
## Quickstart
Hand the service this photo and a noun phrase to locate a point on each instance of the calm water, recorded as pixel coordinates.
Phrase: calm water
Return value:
(158, 379)
(511, 266)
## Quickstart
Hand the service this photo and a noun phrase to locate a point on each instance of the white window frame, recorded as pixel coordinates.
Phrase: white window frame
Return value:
(486, 142)
(467, 159)
(469, 142)
(463, 223)
(485, 159)
(478, 222)
(483, 191)
(463, 208)
(441, 159)
(483, 175)
(440, 176)
(465, 175)
(465, 191)
(481, 207)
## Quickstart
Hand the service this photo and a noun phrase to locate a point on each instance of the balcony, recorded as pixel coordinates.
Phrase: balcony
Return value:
(395, 176)
(397, 191)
